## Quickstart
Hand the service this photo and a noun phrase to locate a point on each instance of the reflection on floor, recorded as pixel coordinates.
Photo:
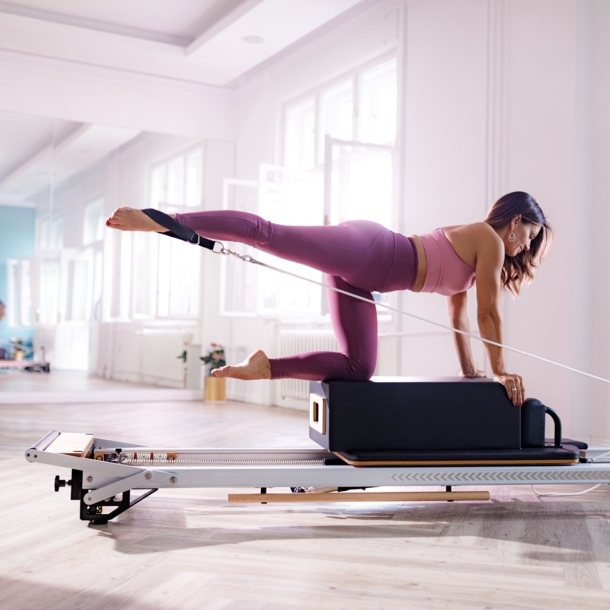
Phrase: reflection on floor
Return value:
(61, 381)
(183, 549)
(80, 387)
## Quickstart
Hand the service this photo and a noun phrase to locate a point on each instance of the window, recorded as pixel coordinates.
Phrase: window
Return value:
(300, 131)
(165, 272)
(49, 232)
(377, 116)
(359, 107)
(90, 267)
(49, 242)
(177, 181)
(18, 289)
(339, 153)
(238, 294)
(49, 290)
(93, 225)
(338, 149)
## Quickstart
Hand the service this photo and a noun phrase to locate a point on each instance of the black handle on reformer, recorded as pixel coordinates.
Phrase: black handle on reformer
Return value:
(177, 230)
(557, 423)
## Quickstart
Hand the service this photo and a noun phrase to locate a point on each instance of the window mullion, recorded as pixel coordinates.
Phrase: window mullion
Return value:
(356, 107)
(317, 131)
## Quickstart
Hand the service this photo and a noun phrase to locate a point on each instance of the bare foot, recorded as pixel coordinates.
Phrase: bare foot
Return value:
(255, 366)
(130, 219)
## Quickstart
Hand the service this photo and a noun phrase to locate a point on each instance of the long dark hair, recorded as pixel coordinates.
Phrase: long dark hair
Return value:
(519, 270)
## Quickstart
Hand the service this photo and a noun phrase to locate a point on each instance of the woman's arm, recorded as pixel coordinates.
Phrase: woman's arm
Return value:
(458, 317)
(490, 258)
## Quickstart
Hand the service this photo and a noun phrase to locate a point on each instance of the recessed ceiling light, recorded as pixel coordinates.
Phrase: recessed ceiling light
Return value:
(254, 39)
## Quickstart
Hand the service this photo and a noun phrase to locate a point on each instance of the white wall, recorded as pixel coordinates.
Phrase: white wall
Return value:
(540, 141)
(491, 102)
(591, 221)
(515, 95)
(445, 159)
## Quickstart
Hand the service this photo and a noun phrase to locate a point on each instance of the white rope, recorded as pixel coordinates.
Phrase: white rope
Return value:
(249, 259)
(575, 493)
(572, 493)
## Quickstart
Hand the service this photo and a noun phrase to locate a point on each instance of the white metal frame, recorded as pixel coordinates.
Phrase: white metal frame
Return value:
(167, 467)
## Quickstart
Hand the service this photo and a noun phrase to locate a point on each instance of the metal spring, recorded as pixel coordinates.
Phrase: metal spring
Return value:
(182, 462)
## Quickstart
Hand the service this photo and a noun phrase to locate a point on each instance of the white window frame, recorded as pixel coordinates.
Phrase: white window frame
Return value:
(171, 208)
(19, 306)
(316, 92)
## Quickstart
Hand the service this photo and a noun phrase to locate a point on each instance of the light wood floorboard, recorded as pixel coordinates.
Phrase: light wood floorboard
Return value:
(182, 549)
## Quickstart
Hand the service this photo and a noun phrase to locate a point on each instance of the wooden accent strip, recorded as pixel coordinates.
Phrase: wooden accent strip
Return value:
(360, 496)
(460, 462)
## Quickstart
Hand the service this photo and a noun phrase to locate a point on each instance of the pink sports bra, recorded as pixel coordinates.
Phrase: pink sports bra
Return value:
(447, 273)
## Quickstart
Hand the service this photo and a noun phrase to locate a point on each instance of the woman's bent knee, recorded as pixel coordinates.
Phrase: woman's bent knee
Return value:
(361, 370)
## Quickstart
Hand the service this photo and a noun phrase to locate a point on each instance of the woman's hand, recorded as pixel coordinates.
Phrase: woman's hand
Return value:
(514, 387)
(475, 375)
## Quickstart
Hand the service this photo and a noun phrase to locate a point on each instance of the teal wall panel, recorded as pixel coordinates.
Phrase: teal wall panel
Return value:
(17, 229)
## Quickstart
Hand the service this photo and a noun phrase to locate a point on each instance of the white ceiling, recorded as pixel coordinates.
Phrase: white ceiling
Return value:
(194, 40)
(200, 41)
(177, 21)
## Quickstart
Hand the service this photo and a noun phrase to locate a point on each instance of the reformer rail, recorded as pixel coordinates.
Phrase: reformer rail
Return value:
(121, 467)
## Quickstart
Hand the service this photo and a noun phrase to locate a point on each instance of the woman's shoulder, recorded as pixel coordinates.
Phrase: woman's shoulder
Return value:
(478, 232)
(475, 242)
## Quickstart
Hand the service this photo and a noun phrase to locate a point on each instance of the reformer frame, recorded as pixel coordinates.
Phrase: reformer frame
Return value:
(106, 471)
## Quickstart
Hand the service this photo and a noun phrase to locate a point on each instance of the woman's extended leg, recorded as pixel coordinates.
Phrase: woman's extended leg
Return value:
(361, 252)
(344, 252)
(356, 256)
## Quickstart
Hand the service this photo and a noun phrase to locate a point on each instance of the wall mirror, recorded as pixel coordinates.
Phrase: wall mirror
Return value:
(89, 301)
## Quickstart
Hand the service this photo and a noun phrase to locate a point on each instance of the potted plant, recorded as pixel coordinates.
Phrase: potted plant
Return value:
(214, 388)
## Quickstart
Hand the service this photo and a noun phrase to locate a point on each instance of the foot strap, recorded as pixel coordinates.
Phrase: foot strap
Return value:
(177, 230)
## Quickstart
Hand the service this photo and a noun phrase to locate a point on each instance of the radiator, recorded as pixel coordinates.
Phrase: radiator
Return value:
(159, 357)
(294, 393)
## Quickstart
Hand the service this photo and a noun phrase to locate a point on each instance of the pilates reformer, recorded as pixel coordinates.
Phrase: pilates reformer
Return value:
(386, 432)
(27, 364)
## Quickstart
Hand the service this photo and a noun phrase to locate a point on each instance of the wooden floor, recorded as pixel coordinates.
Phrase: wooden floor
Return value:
(182, 549)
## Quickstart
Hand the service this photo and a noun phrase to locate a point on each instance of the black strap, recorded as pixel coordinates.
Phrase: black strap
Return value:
(178, 230)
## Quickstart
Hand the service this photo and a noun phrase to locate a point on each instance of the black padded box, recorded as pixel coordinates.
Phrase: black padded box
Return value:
(413, 413)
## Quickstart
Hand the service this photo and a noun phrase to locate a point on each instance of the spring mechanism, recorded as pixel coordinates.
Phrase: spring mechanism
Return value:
(131, 461)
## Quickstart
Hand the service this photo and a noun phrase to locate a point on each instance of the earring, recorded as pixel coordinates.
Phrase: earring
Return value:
(512, 236)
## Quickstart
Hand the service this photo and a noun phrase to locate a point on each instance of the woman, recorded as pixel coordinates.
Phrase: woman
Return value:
(361, 257)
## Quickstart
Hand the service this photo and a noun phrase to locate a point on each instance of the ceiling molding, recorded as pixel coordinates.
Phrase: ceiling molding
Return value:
(217, 57)
(94, 24)
(221, 25)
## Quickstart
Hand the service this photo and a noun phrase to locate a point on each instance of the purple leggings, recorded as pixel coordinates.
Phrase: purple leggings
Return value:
(358, 256)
